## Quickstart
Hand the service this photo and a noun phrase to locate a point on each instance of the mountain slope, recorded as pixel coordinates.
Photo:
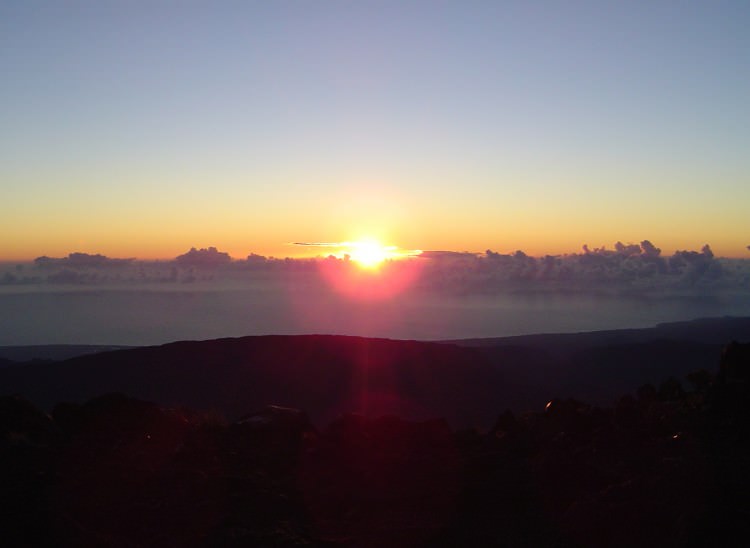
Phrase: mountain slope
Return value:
(325, 375)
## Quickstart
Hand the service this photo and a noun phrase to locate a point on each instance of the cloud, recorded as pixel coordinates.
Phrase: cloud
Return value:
(627, 250)
(204, 257)
(452, 294)
(347, 250)
(649, 249)
(256, 259)
(696, 268)
(81, 261)
(622, 268)
(68, 276)
(321, 244)
(438, 254)
(625, 268)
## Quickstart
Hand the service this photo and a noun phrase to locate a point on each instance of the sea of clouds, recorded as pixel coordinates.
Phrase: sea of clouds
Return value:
(204, 293)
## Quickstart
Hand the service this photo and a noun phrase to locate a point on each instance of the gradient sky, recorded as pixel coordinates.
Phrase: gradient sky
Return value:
(144, 128)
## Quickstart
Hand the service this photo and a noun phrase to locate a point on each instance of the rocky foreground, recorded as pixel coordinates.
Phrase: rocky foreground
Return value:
(665, 467)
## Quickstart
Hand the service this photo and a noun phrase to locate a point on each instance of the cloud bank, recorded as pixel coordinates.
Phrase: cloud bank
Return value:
(625, 268)
(204, 293)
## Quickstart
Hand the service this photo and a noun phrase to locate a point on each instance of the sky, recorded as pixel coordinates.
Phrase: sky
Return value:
(141, 129)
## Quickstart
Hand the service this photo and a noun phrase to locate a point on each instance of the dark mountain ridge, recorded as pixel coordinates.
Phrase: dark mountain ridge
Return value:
(328, 375)
(718, 330)
(54, 352)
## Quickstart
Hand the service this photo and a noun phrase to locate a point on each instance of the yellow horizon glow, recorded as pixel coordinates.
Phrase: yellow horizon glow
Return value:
(154, 250)
(542, 218)
(24, 242)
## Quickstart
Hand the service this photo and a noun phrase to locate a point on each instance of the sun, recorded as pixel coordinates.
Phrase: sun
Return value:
(366, 270)
(369, 253)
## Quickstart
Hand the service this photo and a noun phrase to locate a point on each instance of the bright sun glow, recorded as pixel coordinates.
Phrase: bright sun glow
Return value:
(370, 253)
(365, 269)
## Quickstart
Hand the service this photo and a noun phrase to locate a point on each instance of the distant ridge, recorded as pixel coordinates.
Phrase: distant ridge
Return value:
(718, 330)
(327, 375)
(53, 352)
(324, 374)
(702, 330)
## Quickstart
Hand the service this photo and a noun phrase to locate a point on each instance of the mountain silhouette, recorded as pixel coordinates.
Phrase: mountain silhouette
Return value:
(328, 375)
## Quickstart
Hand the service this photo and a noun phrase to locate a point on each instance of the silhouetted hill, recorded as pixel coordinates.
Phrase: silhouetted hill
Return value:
(328, 375)
(54, 352)
(600, 365)
(598, 373)
(325, 375)
(702, 330)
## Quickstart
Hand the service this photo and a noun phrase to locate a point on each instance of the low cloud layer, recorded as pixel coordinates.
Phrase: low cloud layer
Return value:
(624, 268)
(205, 257)
(81, 260)
(203, 293)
